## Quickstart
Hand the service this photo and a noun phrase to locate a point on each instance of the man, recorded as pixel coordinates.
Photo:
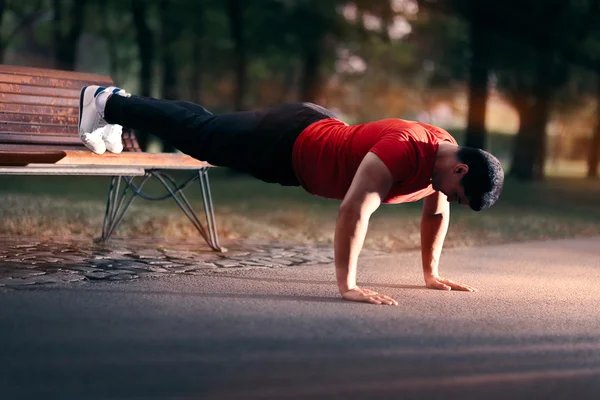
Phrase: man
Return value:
(302, 144)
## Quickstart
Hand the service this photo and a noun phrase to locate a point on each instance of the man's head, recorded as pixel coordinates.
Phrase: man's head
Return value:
(469, 176)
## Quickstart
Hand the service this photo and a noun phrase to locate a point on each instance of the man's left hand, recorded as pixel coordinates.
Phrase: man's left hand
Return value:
(437, 282)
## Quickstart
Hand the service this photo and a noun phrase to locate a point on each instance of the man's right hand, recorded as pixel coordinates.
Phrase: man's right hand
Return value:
(368, 296)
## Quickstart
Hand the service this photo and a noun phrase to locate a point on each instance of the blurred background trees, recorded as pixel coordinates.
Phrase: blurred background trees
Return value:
(518, 78)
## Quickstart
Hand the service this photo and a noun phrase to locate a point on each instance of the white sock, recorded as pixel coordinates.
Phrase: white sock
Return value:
(101, 101)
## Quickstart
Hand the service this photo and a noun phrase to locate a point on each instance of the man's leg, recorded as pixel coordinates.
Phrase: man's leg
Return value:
(256, 142)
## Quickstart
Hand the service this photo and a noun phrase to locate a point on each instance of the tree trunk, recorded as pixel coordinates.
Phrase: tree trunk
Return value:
(594, 154)
(170, 88)
(310, 83)
(236, 23)
(2, 43)
(66, 43)
(478, 81)
(145, 43)
(198, 55)
(529, 154)
(523, 142)
(113, 54)
(168, 42)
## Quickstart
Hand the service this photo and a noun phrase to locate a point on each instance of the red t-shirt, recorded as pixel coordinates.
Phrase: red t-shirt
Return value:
(327, 154)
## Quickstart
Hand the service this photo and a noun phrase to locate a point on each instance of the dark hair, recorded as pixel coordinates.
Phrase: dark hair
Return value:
(483, 183)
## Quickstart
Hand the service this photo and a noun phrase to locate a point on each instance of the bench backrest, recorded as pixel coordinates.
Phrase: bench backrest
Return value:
(39, 109)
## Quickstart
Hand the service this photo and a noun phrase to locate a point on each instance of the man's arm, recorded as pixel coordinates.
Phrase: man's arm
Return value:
(434, 225)
(370, 185)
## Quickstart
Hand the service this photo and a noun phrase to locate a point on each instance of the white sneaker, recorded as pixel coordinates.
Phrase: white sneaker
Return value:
(91, 124)
(112, 134)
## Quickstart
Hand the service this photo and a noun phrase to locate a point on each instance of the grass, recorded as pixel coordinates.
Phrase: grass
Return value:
(249, 209)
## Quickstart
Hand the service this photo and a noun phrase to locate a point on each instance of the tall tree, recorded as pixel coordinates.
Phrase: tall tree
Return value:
(68, 27)
(168, 39)
(145, 44)
(25, 14)
(198, 32)
(478, 76)
(594, 153)
(235, 10)
(169, 34)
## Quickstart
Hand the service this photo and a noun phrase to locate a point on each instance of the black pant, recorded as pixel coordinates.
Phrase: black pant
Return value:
(256, 142)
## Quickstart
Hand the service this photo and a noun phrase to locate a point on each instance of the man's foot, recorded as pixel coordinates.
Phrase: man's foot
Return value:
(112, 134)
(91, 124)
(97, 134)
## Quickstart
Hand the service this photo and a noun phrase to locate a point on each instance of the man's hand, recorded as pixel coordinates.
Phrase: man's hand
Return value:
(437, 282)
(368, 296)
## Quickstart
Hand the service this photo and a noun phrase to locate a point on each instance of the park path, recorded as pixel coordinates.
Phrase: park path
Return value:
(532, 331)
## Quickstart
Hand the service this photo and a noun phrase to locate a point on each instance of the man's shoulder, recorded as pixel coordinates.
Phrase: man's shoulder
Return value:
(438, 132)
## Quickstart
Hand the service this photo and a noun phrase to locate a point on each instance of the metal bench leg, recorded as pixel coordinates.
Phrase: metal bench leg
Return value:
(117, 205)
(208, 208)
(177, 194)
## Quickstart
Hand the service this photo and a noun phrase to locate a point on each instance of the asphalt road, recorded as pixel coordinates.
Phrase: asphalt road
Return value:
(531, 332)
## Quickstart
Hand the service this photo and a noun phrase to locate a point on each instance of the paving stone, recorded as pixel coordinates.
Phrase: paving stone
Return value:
(251, 263)
(122, 277)
(16, 282)
(295, 260)
(181, 269)
(202, 266)
(97, 274)
(84, 269)
(58, 277)
(160, 262)
(24, 273)
(25, 246)
(142, 275)
(144, 254)
(227, 264)
(282, 261)
(155, 268)
(180, 254)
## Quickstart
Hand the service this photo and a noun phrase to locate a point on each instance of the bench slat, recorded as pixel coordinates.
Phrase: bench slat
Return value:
(21, 138)
(39, 110)
(28, 147)
(15, 118)
(146, 160)
(39, 129)
(20, 156)
(45, 82)
(39, 91)
(39, 100)
(53, 73)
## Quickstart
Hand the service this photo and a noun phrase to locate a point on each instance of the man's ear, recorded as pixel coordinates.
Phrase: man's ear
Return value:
(461, 169)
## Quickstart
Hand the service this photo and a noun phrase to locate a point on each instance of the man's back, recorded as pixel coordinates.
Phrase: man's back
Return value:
(328, 153)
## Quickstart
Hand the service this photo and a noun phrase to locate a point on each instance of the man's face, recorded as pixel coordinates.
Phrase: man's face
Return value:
(450, 184)
(457, 194)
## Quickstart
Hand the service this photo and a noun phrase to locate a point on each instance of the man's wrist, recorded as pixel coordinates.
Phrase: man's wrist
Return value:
(430, 275)
(343, 288)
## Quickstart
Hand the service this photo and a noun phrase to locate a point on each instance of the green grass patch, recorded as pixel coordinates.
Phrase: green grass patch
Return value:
(249, 209)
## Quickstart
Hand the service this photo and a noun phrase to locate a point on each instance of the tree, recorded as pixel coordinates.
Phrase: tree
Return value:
(198, 33)
(235, 11)
(594, 153)
(68, 27)
(145, 44)
(478, 76)
(24, 13)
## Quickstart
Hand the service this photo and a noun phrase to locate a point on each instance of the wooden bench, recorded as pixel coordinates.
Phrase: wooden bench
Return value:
(39, 136)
